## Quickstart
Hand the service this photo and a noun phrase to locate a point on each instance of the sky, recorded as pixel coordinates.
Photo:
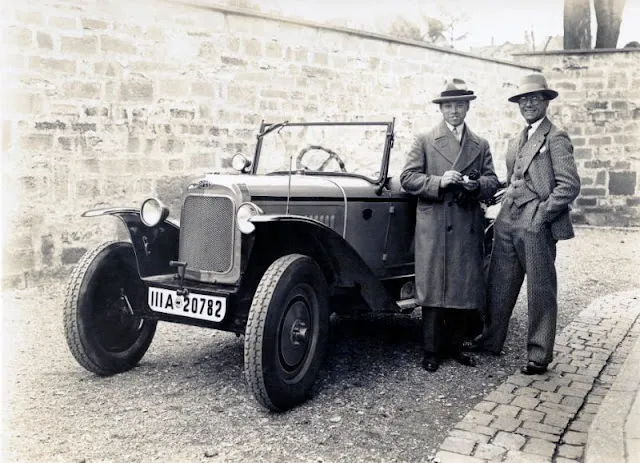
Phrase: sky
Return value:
(498, 20)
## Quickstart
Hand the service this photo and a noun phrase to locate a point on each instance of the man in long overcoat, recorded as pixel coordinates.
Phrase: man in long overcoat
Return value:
(449, 169)
(543, 180)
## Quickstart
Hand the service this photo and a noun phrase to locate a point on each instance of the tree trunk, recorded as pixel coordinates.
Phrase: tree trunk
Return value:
(577, 24)
(609, 18)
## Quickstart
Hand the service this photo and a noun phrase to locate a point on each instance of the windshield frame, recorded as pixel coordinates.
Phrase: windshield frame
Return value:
(384, 168)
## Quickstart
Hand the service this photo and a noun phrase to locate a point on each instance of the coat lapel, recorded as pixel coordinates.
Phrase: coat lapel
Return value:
(469, 152)
(446, 143)
(532, 147)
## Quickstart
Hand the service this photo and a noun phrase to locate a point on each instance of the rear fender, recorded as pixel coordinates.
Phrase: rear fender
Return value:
(154, 247)
(342, 265)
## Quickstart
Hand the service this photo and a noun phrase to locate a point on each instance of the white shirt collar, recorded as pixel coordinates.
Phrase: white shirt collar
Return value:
(535, 126)
(459, 127)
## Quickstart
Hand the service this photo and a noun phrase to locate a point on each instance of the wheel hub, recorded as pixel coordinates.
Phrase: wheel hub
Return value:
(295, 333)
(299, 332)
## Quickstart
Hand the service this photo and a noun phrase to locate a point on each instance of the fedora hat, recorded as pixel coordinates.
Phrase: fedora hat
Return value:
(531, 84)
(454, 90)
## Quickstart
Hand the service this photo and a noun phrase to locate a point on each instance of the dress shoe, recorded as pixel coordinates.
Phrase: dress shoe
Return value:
(430, 363)
(465, 359)
(533, 368)
(472, 345)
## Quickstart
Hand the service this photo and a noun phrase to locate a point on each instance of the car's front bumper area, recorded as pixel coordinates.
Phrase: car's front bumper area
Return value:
(163, 290)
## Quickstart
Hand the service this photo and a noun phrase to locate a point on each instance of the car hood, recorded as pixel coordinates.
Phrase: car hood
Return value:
(300, 186)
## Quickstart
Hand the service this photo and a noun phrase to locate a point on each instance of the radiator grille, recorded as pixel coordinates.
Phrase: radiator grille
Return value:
(207, 233)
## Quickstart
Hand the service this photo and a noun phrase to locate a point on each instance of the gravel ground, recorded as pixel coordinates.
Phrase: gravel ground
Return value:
(188, 401)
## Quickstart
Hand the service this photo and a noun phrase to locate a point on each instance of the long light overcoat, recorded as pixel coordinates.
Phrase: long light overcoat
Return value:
(449, 235)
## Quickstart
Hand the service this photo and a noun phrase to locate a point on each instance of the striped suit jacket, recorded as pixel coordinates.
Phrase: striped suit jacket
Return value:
(550, 171)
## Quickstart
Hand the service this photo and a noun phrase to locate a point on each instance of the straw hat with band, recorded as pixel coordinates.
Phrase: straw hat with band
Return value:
(534, 83)
(455, 90)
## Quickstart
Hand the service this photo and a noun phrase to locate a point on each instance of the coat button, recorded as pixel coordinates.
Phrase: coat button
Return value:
(449, 228)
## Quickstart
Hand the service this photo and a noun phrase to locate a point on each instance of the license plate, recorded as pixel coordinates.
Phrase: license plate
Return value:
(193, 305)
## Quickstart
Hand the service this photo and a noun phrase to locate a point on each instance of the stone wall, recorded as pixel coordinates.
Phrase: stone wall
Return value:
(106, 103)
(599, 105)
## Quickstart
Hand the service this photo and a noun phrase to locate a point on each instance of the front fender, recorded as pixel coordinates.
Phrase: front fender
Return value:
(154, 247)
(332, 252)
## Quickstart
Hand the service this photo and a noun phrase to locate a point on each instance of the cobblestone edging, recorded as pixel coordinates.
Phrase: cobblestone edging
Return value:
(545, 418)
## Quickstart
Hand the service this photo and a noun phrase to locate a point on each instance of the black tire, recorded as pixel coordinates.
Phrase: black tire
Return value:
(286, 334)
(102, 335)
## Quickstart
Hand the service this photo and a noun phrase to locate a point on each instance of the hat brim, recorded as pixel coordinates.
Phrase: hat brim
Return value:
(446, 99)
(547, 92)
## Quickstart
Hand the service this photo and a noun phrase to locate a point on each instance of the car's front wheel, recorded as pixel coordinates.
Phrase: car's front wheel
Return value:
(102, 310)
(286, 333)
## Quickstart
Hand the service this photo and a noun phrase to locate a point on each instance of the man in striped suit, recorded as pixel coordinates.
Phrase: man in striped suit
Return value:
(543, 181)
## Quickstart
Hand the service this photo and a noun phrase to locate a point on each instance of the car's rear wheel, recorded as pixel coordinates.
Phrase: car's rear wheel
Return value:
(102, 311)
(286, 333)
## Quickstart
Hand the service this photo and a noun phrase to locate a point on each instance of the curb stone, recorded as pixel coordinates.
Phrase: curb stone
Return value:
(614, 434)
(549, 415)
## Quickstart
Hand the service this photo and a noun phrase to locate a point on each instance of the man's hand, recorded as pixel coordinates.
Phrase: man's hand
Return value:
(450, 177)
(470, 185)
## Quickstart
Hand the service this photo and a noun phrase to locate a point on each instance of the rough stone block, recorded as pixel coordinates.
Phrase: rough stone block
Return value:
(479, 418)
(113, 45)
(138, 89)
(457, 445)
(72, 255)
(546, 428)
(87, 45)
(485, 406)
(622, 183)
(527, 392)
(593, 192)
(507, 411)
(575, 438)
(44, 41)
(556, 419)
(475, 428)
(79, 89)
(36, 142)
(490, 452)
(531, 415)
(52, 64)
(540, 447)
(525, 402)
(574, 452)
(538, 434)
(509, 440)
(470, 436)
(506, 424)
(500, 397)
(94, 24)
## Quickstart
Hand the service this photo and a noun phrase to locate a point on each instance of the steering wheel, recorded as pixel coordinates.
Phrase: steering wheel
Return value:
(331, 155)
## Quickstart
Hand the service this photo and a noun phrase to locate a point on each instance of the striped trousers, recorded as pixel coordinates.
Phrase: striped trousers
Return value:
(519, 251)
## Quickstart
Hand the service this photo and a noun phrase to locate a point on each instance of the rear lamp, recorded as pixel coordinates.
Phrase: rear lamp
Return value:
(152, 212)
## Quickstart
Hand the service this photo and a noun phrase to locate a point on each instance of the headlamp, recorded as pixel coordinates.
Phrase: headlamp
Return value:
(152, 212)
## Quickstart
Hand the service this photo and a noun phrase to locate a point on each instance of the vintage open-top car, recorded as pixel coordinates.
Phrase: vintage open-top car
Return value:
(312, 225)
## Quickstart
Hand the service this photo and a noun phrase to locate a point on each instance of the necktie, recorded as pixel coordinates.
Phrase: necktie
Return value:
(524, 137)
(456, 132)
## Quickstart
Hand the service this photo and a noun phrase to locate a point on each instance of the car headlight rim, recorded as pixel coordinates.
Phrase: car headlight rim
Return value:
(239, 162)
(244, 214)
(153, 212)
